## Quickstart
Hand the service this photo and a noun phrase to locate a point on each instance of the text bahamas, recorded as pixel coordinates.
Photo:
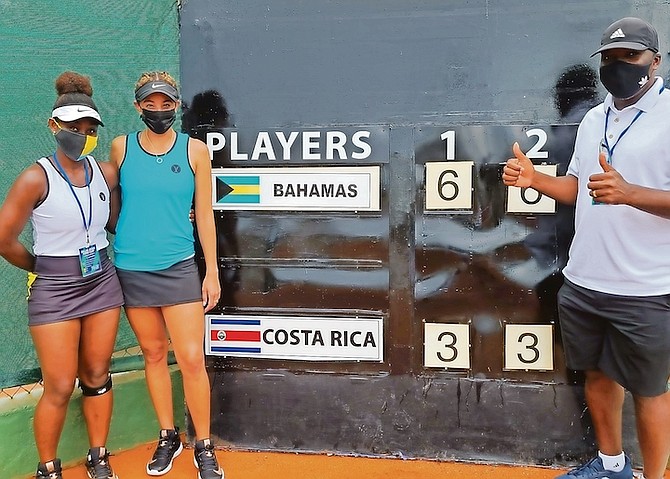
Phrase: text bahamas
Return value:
(304, 190)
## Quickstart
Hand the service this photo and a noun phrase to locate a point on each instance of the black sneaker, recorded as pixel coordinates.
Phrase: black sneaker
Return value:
(169, 446)
(49, 470)
(97, 464)
(205, 461)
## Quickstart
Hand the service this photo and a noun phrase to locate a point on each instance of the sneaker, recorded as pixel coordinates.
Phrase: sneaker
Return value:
(49, 470)
(169, 446)
(594, 470)
(97, 464)
(205, 461)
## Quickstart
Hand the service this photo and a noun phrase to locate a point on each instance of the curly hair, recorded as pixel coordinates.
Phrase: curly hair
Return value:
(74, 89)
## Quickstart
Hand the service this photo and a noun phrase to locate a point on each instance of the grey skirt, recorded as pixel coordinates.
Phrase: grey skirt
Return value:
(61, 293)
(178, 284)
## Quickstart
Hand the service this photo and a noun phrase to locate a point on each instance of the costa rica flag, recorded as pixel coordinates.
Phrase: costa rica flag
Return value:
(235, 335)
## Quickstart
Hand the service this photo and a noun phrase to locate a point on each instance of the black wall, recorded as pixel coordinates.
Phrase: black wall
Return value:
(491, 72)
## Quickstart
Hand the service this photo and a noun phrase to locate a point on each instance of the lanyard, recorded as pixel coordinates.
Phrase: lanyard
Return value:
(610, 151)
(90, 199)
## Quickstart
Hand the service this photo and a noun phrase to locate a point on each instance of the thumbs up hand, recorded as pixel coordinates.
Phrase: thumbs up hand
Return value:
(609, 186)
(518, 171)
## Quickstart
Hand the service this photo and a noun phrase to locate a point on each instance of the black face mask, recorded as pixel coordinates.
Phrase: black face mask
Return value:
(159, 121)
(623, 80)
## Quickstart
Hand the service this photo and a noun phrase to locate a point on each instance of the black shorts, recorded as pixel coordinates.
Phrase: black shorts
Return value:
(178, 284)
(626, 337)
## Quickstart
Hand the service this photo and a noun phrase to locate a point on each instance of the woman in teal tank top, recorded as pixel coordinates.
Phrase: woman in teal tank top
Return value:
(162, 175)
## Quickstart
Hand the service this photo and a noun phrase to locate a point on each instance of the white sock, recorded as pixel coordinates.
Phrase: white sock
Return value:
(613, 463)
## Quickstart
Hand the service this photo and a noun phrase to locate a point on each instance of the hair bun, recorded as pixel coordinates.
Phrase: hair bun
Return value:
(73, 82)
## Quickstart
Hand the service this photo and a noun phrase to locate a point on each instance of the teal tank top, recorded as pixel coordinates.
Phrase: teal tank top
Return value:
(154, 230)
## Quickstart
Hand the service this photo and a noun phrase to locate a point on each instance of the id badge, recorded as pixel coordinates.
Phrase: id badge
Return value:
(602, 149)
(89, 260)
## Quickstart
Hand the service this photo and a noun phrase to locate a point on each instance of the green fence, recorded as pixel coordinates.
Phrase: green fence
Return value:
(112, 41)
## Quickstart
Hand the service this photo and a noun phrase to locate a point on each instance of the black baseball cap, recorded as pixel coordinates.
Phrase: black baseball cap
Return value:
(629, 32)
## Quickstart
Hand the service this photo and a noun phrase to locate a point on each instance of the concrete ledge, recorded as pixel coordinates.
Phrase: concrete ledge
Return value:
(495, 421)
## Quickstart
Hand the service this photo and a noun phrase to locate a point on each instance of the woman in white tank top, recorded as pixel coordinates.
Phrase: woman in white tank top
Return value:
(74, 296)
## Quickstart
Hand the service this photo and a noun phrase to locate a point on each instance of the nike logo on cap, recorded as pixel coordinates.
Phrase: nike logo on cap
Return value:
(618, 33)
(82, 109)
(155, 85)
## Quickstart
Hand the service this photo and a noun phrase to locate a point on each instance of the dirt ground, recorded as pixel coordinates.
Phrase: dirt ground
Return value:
(276, 465)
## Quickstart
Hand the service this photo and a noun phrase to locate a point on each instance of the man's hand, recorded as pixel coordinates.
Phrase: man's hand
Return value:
(609, 186)
(518, 171)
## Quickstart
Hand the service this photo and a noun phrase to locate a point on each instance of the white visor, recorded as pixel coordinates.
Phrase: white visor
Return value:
(76, 112)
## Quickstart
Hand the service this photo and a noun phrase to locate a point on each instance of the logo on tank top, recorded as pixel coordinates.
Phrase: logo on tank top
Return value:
(102, 196)
(176, 168)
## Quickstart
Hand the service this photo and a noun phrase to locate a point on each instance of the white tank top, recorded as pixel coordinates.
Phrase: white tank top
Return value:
(58, 227)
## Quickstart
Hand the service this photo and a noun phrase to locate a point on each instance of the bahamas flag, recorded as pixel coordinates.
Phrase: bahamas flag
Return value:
(238, 189)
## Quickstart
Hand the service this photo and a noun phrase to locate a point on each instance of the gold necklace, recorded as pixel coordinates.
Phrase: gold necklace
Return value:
(159, 158)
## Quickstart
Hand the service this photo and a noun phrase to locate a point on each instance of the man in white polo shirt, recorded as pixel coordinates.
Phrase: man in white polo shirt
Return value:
(614, 307)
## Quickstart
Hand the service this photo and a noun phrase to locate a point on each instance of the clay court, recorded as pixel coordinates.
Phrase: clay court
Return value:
(262, 465)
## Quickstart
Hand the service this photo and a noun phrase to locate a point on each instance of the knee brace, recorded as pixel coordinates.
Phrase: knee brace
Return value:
(99, 391)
